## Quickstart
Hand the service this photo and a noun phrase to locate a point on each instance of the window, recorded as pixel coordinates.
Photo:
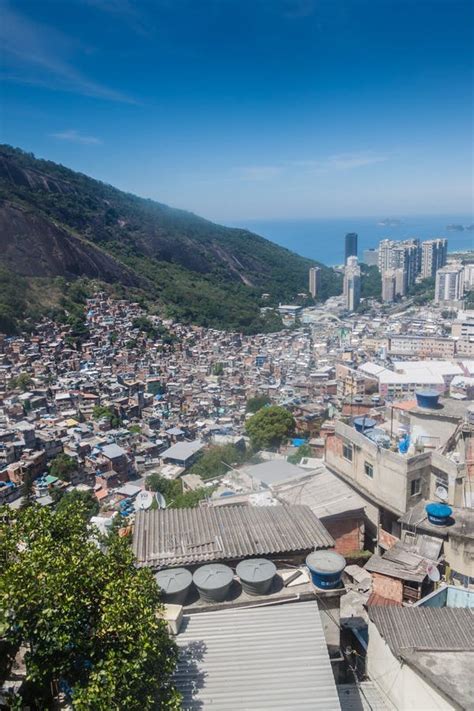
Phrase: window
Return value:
(347, 451)
(415, 487)
(369, 469)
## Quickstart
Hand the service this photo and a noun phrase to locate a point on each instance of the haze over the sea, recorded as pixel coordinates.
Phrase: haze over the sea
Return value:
(322, 239)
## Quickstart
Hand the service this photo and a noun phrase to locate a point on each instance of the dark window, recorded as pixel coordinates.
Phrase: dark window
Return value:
(369, 469)
(415, 487)
(347, 452)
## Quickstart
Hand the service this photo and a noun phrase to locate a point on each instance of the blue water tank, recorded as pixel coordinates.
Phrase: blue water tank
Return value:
(326, 568)
(363, 423)
(427, 399)
(439, 514)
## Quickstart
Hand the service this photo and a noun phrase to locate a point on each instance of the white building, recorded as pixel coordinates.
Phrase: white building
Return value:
(352, 284)
(314, 281)
(449, 283)
(389, 283)
(434, 253)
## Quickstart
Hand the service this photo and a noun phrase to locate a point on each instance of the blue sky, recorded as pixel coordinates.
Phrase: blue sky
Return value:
(244, 109)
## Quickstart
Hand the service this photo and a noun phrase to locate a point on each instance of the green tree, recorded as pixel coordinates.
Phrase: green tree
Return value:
(218, 460)
(101, 411)
(87, 616)
(254, 404)
(23, 382)
(269, 427)
(217, 369)
(63, 466)
(303, 450)
(84, 501)
(172, 490)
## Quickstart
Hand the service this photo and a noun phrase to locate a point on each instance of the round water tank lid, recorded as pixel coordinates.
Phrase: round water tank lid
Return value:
(365, 422)
(256, 570)
(427, 393)
(326, 562)
(439, 510)
(174, 580)
(213, 576)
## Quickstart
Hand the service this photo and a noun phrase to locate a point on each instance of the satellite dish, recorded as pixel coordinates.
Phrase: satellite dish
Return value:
(160, 500)
(143, 501)
(433, 573)
(441, 493)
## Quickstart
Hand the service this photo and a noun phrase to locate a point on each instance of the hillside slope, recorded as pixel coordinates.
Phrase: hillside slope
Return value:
(56, 222)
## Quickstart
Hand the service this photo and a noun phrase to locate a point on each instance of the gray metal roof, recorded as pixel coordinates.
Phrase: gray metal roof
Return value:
(182, 450)
(435, 629)
(113, 451)
(273, 471)
(256, 658)
(323, 492)
(174, 537)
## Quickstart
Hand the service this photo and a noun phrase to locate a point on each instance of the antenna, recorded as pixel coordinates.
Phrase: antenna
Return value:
(433, 572)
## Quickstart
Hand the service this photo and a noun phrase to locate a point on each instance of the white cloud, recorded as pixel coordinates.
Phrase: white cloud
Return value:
(76, 137)
(39, 55)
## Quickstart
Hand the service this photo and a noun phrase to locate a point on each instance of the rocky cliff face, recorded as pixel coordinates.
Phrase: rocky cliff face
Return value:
(33, 246)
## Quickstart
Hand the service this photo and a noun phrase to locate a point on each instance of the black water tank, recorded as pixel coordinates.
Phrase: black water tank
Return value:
(256, 575)
(213, 581)
(174, 584)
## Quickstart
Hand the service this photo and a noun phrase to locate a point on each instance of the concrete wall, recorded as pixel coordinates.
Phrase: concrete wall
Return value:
(405, 688)
(392, 472)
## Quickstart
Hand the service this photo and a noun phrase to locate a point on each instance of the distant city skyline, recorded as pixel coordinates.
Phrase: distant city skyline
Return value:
(248, 110)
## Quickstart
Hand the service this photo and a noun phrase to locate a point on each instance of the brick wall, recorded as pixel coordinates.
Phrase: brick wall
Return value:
(386, 587)
(348, 534)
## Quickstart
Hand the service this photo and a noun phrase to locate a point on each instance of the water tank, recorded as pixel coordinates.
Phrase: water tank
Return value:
(439, 514)
(379, 437)
(363, 423)
(256, 575)
(326, 568)
(213, 581)
(174, 584)
(428, 399)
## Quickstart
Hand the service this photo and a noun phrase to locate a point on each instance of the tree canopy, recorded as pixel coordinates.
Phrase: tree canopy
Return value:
(256, 403)
(63, 466)
(269, 427)
(218, 460)
(86, 616)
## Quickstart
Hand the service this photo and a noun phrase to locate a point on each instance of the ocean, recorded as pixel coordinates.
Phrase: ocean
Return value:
(323, 239)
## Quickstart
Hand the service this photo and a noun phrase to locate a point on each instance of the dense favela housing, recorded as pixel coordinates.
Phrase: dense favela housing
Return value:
(303, 499)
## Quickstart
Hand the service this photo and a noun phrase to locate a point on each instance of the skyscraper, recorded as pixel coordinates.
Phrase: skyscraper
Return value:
(449, 283)
(350, 246)
(433, 256)
(352, 284)
(314, 281)
(389, 283)
(404, 257)
(371, 257)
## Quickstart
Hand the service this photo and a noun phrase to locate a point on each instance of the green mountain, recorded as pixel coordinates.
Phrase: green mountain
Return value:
(56, 223)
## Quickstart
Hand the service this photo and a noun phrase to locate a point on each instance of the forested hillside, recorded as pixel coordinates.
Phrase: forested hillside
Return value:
(55, 222)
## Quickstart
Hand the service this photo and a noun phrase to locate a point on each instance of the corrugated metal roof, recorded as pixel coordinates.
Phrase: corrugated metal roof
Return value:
(185, 536)
(323, 492)
(256, 658)
(436, 628)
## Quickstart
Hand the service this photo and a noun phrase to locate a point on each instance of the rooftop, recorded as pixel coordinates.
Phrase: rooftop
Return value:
(266, 658)
(173, 537)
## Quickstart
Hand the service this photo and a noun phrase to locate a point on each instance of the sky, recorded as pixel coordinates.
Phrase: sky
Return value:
(249, 109)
